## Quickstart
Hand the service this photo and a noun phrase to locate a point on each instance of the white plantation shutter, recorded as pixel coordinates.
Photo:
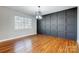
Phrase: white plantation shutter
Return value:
(22, 23)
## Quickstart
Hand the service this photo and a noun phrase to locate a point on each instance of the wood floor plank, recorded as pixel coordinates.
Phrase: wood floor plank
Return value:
(39, 44)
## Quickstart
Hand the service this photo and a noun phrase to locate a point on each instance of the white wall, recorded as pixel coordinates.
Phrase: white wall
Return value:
(78, 25)
(7, 29)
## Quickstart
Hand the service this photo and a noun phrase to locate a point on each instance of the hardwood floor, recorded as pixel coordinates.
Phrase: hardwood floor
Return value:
(39, 44)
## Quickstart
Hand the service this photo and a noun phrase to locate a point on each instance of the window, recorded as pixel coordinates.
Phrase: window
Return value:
(22, 23)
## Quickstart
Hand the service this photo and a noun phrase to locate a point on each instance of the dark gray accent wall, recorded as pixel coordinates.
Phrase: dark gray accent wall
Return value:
(61, 24)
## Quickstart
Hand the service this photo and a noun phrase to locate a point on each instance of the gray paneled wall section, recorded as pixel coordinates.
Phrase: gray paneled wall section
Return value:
(61, 24)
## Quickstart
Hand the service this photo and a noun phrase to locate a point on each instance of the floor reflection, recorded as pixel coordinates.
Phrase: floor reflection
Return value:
(23, 46)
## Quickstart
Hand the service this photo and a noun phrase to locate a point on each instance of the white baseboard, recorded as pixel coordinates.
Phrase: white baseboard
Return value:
(16, 37)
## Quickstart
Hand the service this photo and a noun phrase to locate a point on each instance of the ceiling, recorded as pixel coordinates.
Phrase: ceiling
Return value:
(30, 10)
